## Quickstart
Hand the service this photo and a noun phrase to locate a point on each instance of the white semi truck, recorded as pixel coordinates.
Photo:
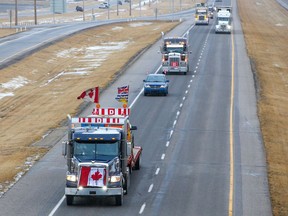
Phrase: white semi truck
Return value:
(224, 20)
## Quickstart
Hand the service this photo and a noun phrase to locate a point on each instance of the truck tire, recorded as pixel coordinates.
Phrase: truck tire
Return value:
(119, 200)
(126, 184)
(137, 164)
(69, 200)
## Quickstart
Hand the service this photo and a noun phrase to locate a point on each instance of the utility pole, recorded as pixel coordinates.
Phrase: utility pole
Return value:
(130, 7)
(16, 13)
(83, 11)
(140, 7)
(35, 12)
(108, 9)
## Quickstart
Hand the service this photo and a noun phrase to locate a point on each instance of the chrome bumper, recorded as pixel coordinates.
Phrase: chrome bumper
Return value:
(93, 191)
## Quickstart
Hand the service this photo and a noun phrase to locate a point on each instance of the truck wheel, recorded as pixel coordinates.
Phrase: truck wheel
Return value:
(69, 199)
(126, 184)
(137, 164)
(119, 200)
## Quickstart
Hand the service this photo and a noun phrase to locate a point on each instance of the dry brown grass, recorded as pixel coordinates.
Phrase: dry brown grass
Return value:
(265, 26)
(39, 106)
(6, 31)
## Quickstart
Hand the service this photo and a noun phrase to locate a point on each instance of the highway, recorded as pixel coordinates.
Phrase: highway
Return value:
(202, 145)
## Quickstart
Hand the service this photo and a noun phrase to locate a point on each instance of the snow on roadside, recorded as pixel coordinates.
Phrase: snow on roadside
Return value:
(30, 161)
(92, 57)
(139, 24)
(13, 84)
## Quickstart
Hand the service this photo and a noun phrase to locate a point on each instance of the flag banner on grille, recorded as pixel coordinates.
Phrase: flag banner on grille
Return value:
(90, 95)
(92, 176)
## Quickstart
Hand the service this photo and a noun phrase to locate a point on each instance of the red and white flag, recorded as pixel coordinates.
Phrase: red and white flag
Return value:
(92, 176)
(123, 90)
(90, 95)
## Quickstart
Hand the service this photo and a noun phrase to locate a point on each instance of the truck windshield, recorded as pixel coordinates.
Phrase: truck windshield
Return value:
(96, 151)
(223, 19)
(174, 49)
(201, 12)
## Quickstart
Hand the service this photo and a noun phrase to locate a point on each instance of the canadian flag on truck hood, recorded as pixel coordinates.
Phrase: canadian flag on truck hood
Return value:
(92, 176)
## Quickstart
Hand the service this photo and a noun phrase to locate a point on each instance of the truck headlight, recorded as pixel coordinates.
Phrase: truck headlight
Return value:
(72, 178)
(114, 179)
(228, 27)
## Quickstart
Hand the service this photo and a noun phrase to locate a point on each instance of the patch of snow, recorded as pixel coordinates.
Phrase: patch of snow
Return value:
(68, 53)
(7, 94)
(15, 83)
(55, 77)
(139, 24)
(76, 73)
(25, 167)
(117, 28)
(279, 24)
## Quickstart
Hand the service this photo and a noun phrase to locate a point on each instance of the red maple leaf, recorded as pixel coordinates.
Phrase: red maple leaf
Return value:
(96, 176)
(91, 93)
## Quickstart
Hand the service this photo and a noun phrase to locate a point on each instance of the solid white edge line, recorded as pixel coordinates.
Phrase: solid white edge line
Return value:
(57, 206)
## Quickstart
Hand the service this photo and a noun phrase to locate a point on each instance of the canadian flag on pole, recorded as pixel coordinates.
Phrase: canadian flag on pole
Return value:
(92, 176)
(90, 95)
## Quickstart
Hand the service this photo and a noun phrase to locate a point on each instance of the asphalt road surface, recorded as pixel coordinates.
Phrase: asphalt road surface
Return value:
(202, 146)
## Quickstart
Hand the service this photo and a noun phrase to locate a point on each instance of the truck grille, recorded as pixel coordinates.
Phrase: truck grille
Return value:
(201, 18)
(174, 62)
(91, 176)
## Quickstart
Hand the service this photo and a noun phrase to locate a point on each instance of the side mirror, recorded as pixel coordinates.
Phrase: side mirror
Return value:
(133, 127)
(64, 148)
(144, 80)
(167, 81)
